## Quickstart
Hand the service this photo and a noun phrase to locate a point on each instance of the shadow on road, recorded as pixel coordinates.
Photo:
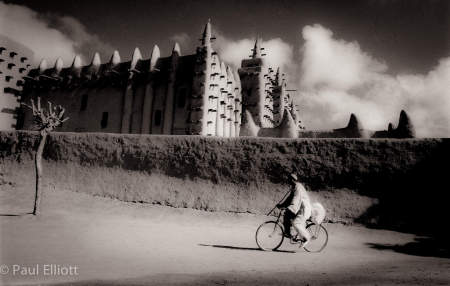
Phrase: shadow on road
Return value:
(241, 248)
(422, 246)
(412, 201)
(19, 214)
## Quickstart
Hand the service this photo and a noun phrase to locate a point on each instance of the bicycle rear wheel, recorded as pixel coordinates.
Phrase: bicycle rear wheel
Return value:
(319, 238)
(269, 235)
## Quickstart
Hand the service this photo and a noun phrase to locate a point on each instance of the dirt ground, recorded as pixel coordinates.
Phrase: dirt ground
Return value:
(116, 243)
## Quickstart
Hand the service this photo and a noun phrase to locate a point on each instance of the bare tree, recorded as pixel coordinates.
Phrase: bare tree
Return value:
(45, 121)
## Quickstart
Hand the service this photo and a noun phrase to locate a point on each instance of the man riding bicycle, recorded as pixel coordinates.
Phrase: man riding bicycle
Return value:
(298, 211)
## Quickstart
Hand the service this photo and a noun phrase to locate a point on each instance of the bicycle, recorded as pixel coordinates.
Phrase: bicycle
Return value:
(270, 235)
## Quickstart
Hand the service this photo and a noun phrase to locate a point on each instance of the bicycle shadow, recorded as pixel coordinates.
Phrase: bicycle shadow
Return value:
(242, 248)
(18, 214)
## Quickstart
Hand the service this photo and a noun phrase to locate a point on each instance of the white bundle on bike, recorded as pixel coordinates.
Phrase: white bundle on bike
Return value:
(317, 213)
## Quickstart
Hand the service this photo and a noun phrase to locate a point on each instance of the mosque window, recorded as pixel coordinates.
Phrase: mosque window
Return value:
(181, 99)
(158, 117)
(104, 121)
(84, 102)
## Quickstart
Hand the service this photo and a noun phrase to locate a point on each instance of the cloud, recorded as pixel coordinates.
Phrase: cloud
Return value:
(84, 42)
(428, 99)
(49, 36)
(334, 63)
(338, 78)
(231, 51)
(335, 77)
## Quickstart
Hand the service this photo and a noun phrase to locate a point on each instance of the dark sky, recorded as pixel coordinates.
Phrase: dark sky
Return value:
(409, 35)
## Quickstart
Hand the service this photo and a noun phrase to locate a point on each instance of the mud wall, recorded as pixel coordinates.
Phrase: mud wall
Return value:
(379, 181)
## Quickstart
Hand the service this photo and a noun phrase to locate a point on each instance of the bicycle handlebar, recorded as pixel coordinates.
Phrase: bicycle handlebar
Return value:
(276, 206)
(271, 211)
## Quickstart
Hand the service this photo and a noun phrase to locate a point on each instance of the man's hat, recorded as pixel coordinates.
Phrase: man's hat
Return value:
(294, 177)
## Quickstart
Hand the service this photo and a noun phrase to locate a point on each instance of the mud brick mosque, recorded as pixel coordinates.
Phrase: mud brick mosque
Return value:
(14, 65)
(193, 94)
(182, 95)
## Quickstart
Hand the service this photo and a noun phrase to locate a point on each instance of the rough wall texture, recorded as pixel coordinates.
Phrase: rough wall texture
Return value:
(381, 181)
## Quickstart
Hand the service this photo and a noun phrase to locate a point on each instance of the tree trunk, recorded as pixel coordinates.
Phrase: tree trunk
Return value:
(38, 165)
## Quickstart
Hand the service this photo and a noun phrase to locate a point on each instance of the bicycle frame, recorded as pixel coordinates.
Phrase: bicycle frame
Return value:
(315, 233)
(309, 220)
(282, 212)
(279, 215)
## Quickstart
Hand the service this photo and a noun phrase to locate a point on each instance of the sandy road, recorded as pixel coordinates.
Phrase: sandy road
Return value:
(115, 243)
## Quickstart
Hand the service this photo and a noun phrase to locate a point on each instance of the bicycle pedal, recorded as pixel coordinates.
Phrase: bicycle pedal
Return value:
(294, 241)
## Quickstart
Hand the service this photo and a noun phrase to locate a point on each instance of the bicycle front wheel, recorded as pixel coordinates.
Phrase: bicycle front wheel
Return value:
(269, 235)
(319, 238)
